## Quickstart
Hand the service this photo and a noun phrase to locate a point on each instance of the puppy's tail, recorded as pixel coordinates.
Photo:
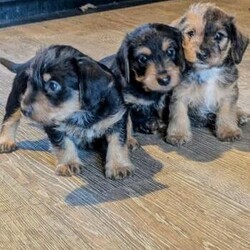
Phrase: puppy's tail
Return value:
(13, 67)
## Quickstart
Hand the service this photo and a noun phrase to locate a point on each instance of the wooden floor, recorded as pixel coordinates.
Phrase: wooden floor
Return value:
(195, 197)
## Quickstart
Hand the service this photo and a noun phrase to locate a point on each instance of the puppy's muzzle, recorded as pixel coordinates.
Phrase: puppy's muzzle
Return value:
(203, 54)
(164, 81)
(27, 111)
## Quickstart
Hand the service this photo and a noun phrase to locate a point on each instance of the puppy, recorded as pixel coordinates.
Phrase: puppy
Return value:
(149, 64)
(76, 100)
(213, 46)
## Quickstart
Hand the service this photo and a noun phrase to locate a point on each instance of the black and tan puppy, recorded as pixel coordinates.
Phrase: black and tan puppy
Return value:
(213, 45)
(149, 65)
(76, 100)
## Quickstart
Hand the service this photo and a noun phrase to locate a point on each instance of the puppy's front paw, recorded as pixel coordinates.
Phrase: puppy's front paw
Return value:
(133, 144)
(116, 171)
(228, 134)
(178, 139)
(7, 146)
(69, 169)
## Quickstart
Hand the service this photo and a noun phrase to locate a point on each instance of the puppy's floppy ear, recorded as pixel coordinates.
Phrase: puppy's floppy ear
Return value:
(123, 60)
(239, 43)
(182, 61)
(179, 23)
(78, 62)
(93, 81)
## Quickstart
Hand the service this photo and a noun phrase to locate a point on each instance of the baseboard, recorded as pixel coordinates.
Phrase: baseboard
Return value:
(16, 12)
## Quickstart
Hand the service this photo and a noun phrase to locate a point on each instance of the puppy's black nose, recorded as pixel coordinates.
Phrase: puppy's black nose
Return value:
(164, 80)
(203, 54)
(27, 111)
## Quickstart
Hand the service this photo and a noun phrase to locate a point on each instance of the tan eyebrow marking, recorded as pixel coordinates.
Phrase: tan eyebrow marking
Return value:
(143, 50)
(165, 45)
(46, 77)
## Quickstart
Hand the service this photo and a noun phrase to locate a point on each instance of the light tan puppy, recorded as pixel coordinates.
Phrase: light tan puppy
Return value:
(213, 46)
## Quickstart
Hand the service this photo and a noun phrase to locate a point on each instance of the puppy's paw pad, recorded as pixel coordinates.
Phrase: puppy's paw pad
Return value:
(229, 134)
(69, 169)
(133, 144)
(178, 140)
(118, 172)
(7, 147)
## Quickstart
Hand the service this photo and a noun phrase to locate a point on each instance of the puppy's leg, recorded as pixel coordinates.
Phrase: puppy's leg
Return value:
(132, 142)
(118, 164)
(68, 162)
(10, 123)
(226, 122)
(179, 130)
(12, 114)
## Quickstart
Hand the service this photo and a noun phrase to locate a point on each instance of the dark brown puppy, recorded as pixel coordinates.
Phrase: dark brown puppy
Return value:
(213, 46)
(149, 64)
(76, 100)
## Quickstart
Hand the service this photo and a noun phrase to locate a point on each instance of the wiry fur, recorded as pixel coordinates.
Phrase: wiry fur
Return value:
(213, 46)
(148, 72)
(76, 100)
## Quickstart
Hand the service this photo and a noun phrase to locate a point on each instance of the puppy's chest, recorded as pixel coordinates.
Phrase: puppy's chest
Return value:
(210, 95)
(206, 90)
(86, 134)
(80, 135)
(138, 100)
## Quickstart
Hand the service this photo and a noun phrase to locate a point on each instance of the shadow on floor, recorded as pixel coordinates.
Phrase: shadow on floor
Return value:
(204, 146)
(99, 189)
(40, 145)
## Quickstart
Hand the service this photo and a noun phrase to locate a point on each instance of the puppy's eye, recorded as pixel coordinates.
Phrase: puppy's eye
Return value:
(171, 52)
(142, 59)
(219, 36)
(54, 86)
(190, 33)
